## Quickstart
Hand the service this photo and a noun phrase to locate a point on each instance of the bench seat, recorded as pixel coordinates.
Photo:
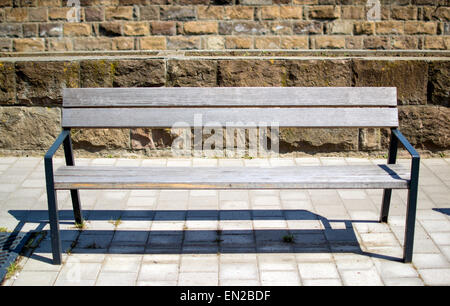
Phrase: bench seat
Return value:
(285, 177)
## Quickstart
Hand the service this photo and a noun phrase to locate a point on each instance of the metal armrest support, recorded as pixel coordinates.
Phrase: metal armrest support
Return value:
(405, 143)
(55, 146)
(62, 139)
(397, 136)
(415, 163)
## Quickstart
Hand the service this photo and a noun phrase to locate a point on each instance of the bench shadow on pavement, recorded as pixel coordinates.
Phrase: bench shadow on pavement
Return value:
(333, 236)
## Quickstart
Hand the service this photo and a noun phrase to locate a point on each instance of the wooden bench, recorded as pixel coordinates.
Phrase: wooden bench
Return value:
(314, 107)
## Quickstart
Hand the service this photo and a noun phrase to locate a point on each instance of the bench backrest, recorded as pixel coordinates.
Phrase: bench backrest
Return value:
(230, 106)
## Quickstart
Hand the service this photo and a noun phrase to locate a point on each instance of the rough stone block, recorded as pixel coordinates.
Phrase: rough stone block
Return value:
(214, 42)
(404, 12)
(110, 29)
(136, 28)
(5, 44)
(30, 30)
(267, 42)
(92, 43)
(119, 13)
(439, 83)
(389, 27)
(324, 12)
(192, 73)
(340, 27)
(183, 42)
(163, 28)
(201, 27)
(262, 72)
(177, 13)
(41, 83)
(435, 43)
(94, 14)
(29, 45)
(7, 83)
(123, 43)
(50, 30)
(426, 127)
(364, 27)
(420, 27)
(96, 73)
(291, 12)
(239, 13)
(138, 73)
(238, 42)
(281, 28)
(353, 42)
(10, 30)
(37, 14)
(210, 12)
(269, 12)
(353, 12)
(153, 43)
(28, 128)
(60, 44)
(404, 42)
(294, 42)
(410, 77)
(318, 140)
(319, 73)
(249, 28)
(145, 138)
(77, 29)
(16, 14)
(58, 13)
(149, 13)
(94, 140)
(307, 27)
(376, 43)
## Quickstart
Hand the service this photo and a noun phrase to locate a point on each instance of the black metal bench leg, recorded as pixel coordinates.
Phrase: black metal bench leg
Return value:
(411, 212)
(76, 206)
(387, 193)
(53, 213)
(68, 153)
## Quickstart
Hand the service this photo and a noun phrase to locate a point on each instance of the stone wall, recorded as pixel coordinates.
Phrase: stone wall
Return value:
(47, 25)
(31, 96)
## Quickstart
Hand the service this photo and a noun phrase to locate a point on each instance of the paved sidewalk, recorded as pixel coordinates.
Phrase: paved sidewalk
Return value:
(208, 237)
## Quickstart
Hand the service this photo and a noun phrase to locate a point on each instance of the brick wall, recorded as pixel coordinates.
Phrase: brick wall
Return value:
(43, 25)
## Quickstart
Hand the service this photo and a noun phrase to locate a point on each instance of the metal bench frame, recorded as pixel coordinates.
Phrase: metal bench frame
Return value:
(396, 138)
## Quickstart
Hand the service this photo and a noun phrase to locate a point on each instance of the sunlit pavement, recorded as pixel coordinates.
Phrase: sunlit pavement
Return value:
(229, 237)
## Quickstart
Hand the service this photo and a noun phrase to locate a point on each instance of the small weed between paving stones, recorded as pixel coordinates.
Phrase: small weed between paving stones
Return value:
(80, 226)
(116, 223)
(218, 232)
(13, 269)
(93, 245)
(288, 238)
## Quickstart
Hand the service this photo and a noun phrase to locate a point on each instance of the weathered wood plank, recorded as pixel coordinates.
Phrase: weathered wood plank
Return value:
(231, 117)
(295, 177)
(230, 96)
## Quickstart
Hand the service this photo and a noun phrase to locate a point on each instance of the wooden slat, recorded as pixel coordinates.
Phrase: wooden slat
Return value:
(294, 177)
(230, 96)
(237, 117)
